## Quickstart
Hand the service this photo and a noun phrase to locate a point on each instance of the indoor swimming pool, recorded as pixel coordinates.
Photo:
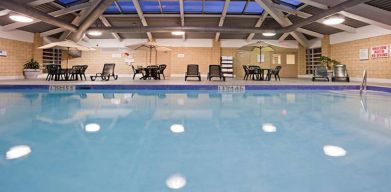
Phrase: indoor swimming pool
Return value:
(197, 141)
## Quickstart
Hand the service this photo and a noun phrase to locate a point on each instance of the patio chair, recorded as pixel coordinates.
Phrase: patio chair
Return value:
(276, 73)
(246, 72)
(320, 73)
(83, 72)
(137, 71)
(215, 71)
(161, 70)
(193, 71)
(340, 73)
(75, 72)
(53, 72)
(107, 72)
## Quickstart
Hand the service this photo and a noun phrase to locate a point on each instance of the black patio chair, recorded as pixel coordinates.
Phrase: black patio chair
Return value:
(276, 73)
(321, 73)
(193, 71)
(340, 73)
(162, 67)
(83, 72)
(75, 72)
(107, 72)
(215, 71)
(54, 72)
(137, 71)
(246, 72)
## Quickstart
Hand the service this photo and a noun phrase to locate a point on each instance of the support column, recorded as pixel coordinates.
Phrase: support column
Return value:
(326, 46)
(216, 52)
(37, 53)
(301, 60)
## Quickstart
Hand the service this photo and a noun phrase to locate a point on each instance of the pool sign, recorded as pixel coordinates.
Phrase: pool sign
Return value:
(380, 51)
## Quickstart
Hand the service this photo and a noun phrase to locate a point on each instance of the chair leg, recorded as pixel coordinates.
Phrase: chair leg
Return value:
(134, 75)
(164, 77)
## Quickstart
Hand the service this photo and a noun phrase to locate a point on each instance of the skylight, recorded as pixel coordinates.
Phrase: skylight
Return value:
(170, 6)
(189, 6)
(67, 3)
(192, 6)
(149, 6)
(214, 6)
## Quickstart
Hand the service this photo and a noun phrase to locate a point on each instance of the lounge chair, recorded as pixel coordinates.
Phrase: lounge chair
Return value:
(107, 72)
(320, 73)
(215, 71)
(340, 73)
(193, 71)
(161, 70)
(276, 73)
(137, 71)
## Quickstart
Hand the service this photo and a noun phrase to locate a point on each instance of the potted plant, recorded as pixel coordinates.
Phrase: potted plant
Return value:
(31, 69)
(328, 62)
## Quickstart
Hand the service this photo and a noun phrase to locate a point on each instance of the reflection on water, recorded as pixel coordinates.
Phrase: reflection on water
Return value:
(196, 141)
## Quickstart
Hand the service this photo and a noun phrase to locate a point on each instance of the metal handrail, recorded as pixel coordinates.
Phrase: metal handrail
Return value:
(363, 86)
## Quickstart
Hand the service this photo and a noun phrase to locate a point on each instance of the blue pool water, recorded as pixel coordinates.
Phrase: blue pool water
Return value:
(297, 141)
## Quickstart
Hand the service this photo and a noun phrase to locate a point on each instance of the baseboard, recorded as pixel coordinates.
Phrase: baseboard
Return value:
(11, 77)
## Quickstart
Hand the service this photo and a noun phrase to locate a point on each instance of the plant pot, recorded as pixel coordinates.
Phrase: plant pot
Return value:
(31, 73)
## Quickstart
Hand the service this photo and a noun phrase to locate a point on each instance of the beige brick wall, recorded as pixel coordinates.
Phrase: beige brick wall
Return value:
(18, 53)
(301, 65)
(203, 56)
(326, 47)
(348, 53)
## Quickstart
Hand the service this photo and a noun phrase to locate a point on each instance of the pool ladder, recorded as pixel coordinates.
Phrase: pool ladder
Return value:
(363, 86)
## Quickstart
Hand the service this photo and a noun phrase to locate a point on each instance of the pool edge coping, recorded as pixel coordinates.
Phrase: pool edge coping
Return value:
(202, 87)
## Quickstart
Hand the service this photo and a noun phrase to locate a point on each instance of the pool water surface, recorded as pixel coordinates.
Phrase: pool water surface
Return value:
(198, 141)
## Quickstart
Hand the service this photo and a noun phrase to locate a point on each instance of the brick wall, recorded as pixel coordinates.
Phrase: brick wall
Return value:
(348, 53)
(18, 54)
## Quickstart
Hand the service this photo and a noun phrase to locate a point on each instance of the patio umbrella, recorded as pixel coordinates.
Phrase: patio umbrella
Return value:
(149, 46)
(67, 45)
(259, 44)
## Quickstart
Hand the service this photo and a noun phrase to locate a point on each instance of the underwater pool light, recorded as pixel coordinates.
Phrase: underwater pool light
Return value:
(334, 151)
(269, 128)
(177, 128)
(17, 152)
(92, 127)
(176, 181)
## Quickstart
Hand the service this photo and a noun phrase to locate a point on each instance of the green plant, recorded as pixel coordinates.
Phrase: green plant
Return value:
(32, 64)
(328, 62)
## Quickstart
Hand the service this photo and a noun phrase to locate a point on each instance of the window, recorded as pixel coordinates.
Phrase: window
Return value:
(312, 59)
(276, 59)
(52, 56)
(290, 59)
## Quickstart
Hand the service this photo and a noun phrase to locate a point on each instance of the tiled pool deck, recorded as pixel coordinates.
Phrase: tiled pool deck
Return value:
(179, 83)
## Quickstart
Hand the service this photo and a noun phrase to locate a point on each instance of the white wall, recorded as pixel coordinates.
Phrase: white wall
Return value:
(17, 35)
(362, 33)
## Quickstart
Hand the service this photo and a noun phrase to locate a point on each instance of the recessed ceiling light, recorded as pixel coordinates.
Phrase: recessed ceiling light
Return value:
(269, 34)
(92, 127)
(95, 33)
(21, 18)
(177, 128)
(334, 151)
(269, 128)
(176, 181)
(17, 152)
(178, 33)
(334, 20)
